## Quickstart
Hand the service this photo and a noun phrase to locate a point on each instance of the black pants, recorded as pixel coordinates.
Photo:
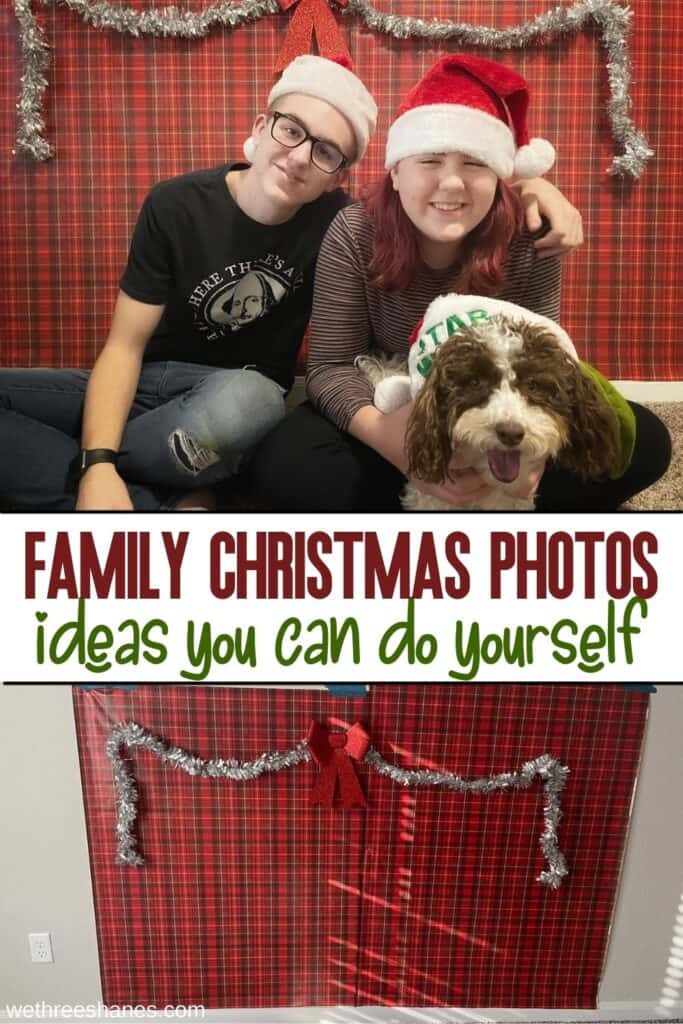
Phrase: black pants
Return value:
(307, 465)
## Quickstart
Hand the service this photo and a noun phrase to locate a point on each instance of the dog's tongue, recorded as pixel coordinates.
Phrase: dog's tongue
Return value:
(504, 465)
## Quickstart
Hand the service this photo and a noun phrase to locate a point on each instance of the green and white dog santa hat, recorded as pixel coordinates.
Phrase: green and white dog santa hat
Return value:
(449, 314)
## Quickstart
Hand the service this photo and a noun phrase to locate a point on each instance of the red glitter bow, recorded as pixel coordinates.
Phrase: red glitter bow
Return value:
(312, 16)
(333, 751)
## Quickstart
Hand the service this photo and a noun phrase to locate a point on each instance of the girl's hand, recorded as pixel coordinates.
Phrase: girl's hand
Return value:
(385, 432)
(527, 485)
(463, 486)
(466, 485)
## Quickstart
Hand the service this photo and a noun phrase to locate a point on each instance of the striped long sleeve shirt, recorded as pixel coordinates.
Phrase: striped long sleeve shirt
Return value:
(352, 317)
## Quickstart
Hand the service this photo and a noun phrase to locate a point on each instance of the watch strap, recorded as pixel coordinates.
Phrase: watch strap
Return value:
(91, 456)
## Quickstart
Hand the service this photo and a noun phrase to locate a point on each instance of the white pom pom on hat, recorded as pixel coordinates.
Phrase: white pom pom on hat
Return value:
(334, 82)
(537, 157)
(473, 106)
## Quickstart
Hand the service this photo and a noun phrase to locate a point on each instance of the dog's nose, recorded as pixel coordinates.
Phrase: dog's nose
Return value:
(509, 434)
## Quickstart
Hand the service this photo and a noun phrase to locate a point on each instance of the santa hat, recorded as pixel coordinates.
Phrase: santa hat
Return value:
(473, 106)
(451, 313)
(334, 82)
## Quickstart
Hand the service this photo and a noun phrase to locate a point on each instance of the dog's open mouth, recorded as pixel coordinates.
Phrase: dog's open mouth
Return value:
(504, 464)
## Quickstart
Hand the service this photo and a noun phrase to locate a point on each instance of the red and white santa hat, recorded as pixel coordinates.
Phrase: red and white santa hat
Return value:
(449, 314)
(335, 82)
(473, 106)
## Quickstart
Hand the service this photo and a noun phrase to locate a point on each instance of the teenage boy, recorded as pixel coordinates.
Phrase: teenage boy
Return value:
(212, 307)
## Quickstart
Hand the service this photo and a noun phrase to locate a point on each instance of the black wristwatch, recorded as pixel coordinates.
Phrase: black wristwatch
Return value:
(91, 456)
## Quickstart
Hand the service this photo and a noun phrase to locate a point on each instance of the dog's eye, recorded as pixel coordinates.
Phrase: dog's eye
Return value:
(536, 383)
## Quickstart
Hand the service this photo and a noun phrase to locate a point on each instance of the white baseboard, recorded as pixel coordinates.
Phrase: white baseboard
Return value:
(608, 1012)
(651, 390)
(635, 390)
(611, 1012)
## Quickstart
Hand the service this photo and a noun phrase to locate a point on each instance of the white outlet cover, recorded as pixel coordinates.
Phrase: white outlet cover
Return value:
(40, 944)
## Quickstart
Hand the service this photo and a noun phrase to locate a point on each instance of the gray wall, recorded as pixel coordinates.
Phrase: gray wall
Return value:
(45, 877)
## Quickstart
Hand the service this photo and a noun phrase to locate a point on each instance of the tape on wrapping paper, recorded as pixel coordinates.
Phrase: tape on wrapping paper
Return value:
(347, 689)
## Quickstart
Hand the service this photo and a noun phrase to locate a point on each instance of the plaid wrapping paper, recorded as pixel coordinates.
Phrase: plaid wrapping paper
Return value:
(124, 113)
(251, 897)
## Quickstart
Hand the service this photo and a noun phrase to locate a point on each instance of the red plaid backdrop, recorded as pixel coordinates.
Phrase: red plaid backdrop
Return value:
(251, 897)
(125, 112)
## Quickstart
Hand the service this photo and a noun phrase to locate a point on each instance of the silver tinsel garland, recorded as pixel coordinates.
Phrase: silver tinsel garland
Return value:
(611, 19)
(36, 60)
(548, 768)
(133, 736)
(160, 22)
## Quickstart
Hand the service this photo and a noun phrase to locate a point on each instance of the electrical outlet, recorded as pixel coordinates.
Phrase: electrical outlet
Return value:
(41, 947)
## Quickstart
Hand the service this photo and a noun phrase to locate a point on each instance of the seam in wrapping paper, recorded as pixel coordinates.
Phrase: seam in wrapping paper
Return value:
(133, 736)
(612, 21)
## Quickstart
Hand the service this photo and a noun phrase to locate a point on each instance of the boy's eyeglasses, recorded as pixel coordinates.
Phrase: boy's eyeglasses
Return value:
(291, 134)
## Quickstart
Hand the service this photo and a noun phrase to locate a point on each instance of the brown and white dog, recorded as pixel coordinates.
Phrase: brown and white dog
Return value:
(501, 387)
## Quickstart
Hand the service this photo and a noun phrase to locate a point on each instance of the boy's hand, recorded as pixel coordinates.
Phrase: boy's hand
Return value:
(101, 488)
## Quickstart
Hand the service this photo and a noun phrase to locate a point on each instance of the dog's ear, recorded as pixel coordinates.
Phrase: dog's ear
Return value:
(593, 445)
(428, 436)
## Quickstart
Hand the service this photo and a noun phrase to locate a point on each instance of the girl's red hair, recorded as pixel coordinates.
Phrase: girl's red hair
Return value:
(396, 256)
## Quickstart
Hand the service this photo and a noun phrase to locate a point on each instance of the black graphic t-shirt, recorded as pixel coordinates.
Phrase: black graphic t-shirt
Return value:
(237, 293)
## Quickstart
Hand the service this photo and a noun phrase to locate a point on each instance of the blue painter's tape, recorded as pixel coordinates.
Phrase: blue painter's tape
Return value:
(640, 687)
(350, 690)
(105, 686)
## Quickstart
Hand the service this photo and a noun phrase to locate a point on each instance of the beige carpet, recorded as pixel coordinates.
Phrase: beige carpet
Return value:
(667, 493)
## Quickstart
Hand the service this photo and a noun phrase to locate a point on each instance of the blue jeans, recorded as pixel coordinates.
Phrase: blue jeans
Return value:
(189, 426)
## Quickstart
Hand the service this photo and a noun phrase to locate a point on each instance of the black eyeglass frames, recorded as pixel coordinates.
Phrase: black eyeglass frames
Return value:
(290, 133)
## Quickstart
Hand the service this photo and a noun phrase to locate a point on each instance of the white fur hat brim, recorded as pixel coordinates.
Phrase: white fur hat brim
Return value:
(335, 84)
(451, 127)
